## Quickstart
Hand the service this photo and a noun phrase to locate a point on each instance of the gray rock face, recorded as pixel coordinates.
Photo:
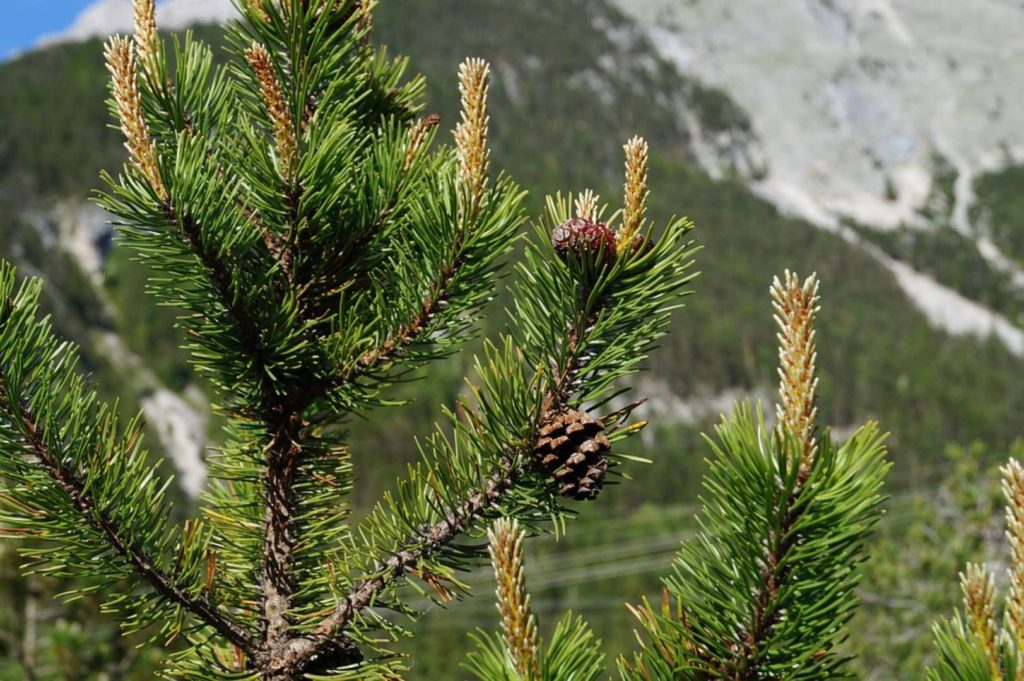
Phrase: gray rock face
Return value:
(85, 232)
(857, 104)
(854, 99)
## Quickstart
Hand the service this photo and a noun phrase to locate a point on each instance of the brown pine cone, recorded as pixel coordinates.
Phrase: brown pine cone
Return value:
(571, 450)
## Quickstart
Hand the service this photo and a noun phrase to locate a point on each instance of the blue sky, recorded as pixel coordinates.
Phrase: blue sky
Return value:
(24, 21)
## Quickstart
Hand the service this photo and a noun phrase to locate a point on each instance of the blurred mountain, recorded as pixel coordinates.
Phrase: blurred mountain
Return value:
(880, 121)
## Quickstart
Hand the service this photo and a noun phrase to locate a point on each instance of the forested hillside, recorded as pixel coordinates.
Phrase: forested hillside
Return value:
(573, 80)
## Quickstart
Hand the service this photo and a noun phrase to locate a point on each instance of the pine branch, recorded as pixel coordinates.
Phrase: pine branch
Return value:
(427, 542)
(38, 375)
(602, 335)
(474, 241)
(285, 447)
(416, 329)
(145, 566)
(457, 519)
(796, 305)
(282, 418)
(767, 585)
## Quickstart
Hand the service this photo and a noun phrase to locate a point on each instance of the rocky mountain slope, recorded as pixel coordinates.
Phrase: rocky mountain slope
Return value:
(867, 114)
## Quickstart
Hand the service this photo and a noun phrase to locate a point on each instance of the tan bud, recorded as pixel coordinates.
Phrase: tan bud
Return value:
(471, 134)
(120, 57)
(796, 307)
(1013, 492)
(978, 587)
(144, 14)
(277, 108)
(418, 137)
(517, 621)
(635, 211)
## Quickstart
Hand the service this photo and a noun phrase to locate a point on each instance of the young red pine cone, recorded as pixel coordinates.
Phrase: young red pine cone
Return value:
(584, 240)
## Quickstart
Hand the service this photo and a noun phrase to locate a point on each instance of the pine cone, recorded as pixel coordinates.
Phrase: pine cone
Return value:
(571, 450)
(582, 239)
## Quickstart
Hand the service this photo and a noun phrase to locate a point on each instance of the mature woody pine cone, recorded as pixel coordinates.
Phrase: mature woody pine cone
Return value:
(582, 239)
(571, 450)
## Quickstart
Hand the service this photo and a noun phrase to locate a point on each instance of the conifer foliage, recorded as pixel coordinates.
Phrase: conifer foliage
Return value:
(985, 641)
(321, 244)
(765, 588)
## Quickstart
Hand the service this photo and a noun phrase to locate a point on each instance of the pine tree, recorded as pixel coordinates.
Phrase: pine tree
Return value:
(766, 587)
(322, 244)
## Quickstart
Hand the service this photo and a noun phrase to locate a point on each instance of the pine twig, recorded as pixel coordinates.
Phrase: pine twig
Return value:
(471, 137)
(513, 601)
(122, 545)
(457, 519)
(428, 541)
(120, 58)
(796, 305)
(978, 587)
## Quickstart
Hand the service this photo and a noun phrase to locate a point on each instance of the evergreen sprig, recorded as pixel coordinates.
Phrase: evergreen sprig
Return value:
(77, 479)
(986, 641)
(764, 589)
(573, 653)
